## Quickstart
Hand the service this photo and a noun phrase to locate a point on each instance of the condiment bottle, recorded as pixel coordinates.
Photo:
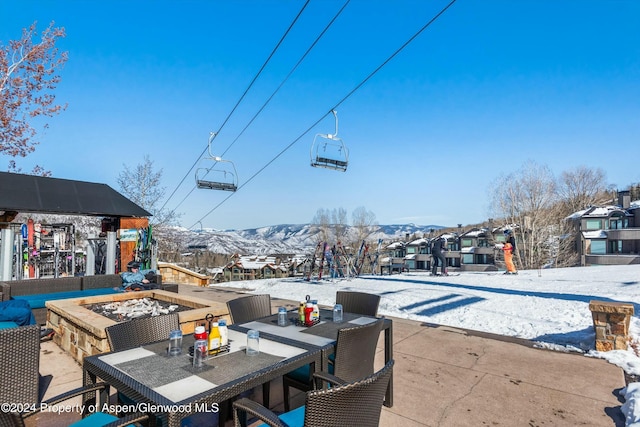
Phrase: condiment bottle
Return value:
(308, 314)
(301, 311)
(214, 339)
(224, 332)
(316, 311)
(200, 333)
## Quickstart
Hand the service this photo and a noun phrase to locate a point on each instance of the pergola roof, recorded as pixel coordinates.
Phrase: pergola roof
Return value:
(37, 194)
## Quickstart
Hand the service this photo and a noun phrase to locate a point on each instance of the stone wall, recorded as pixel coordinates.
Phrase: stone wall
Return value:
(172, 273)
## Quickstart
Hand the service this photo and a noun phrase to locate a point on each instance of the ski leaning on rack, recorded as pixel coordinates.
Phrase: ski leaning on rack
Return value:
(321, 266)
(374, 263)
(313, 261)
(346, 261)
(362, 253)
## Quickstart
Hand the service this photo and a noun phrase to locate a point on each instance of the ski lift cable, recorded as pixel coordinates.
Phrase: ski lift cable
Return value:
(293, 69)
(259, 171)
(357, 87)
(264, 105)
(239, 100)
(393, 55)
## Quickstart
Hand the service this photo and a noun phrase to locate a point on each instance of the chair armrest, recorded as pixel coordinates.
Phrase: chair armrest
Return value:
(244, 406)
(123, 421)
(328, 378)
(67, 395)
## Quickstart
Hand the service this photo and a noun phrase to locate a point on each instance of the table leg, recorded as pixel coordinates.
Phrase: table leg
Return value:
(388, 355)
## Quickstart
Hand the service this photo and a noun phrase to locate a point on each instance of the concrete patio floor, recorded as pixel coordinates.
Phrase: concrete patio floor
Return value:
(442, 377)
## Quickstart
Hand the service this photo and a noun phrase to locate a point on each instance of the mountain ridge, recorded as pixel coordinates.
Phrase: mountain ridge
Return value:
(278, 239)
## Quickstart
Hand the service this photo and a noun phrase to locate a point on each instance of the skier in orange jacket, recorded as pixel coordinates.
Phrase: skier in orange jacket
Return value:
(508, 249)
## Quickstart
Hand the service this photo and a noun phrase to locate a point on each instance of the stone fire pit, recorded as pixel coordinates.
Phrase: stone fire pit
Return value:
(80, 331)
(122, 311)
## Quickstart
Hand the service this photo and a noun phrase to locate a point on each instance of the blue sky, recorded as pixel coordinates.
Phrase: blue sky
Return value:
(488, 86)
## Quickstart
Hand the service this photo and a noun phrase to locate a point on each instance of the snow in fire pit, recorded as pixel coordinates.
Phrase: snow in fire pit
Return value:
(130, 309)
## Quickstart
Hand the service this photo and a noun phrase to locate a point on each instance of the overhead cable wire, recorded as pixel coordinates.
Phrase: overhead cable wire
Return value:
(239, 100)
(293, 69)
(357, 87)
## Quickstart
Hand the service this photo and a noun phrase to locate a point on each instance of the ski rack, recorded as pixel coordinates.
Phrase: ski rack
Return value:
(338, 156)
(225, 184)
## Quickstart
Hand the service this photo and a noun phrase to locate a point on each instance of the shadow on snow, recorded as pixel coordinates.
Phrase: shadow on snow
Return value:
(549, 295)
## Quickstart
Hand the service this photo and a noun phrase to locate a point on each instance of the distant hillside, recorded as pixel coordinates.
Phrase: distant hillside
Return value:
(276, 239)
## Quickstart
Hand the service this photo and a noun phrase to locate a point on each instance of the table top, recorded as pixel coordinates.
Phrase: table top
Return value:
(148, 374)
(322, 334)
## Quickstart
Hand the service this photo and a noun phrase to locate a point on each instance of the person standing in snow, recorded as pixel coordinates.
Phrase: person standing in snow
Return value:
(508, 248)
(439, 245)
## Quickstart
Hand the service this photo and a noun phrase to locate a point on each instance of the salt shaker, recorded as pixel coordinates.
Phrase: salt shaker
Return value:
(282, 316)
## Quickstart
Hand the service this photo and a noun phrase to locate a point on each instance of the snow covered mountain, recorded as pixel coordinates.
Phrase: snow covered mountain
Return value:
(276, 239)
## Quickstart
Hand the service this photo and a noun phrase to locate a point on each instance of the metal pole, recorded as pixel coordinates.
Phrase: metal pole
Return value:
(6, 253)
(111, 252)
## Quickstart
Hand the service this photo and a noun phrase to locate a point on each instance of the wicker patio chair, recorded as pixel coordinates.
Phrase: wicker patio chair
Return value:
(355, 403)
(354, 356)
(137, 332)
(252, 307)
(246, 309)
(96, 419)
(358, 302)
(19, 364)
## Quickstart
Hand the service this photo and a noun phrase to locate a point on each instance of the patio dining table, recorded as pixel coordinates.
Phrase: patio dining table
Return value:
(171, 388)
(322, 336)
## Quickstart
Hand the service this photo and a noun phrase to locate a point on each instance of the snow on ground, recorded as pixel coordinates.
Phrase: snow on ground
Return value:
(549, 307)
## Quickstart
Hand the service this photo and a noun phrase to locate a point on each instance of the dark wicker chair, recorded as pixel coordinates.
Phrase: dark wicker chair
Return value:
(355, 403)
(19, 364)
(19, 379)
(96, 419)
(246, 309)
(137, 332)
(252, 307)
(358, 302)
(354, 356)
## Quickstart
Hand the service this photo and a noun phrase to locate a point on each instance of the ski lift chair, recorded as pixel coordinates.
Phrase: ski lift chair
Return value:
(328, 151)
(228, 182)
(220, 167)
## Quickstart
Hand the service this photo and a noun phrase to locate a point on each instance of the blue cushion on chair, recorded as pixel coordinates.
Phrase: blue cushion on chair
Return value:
(95, 420)
(8, 324)
(294, 418)
(39, 300)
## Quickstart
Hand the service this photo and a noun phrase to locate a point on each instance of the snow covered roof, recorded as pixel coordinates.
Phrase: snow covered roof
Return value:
(395, 245)
(595, 234)
(256, 262)
(417, 242)
(476, 232)
(598, 212)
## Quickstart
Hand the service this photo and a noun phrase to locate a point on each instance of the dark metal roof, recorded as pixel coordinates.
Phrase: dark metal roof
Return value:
(37, 194)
